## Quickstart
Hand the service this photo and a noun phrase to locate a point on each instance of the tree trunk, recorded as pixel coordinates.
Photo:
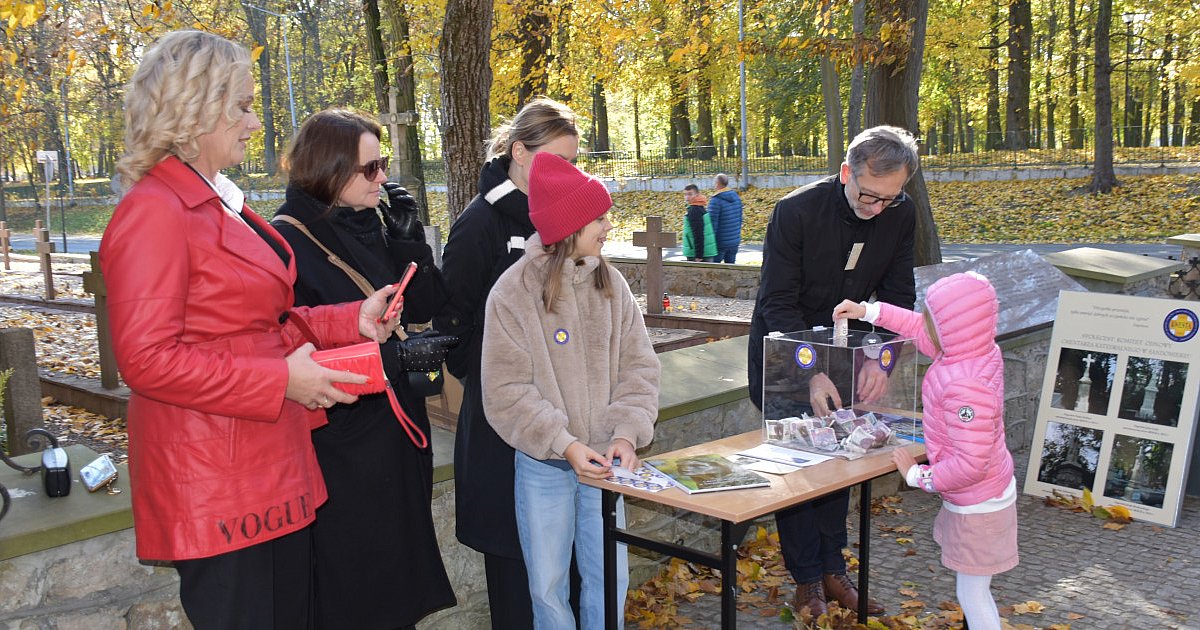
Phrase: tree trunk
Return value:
(681, 131)
(379, 69)
(1193, 132)
(1164, 101)
(314, 65)
(637, 129)
(766, 131)
(1075, 120)
(258, 30)
(600, 122)
(731, 137)
(1051, 102)
(892, 100)
(1016, 105)
(464, 53)
(1177, 117)
(831, 95)
(1103, 177)
(995, 135)
(408, 166)
(533, 28)
(854, 113)
(704, 123)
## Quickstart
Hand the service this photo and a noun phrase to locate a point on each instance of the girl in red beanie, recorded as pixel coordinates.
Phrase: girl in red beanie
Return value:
(570, 380)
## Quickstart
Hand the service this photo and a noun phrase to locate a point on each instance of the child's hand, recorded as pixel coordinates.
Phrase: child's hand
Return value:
(623, 450)
(586, 462)
(849, 310)
(903, 460)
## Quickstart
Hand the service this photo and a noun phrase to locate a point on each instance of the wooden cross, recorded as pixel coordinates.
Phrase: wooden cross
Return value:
(44, 248)
(5, 243)
(654, 240)
(93, 282)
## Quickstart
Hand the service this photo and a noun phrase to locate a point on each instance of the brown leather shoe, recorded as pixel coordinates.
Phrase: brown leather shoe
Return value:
(811, 596)
(839, 587)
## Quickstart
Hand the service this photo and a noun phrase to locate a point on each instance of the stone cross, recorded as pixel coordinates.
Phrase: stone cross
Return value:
(5, 243)
(402, 170)
(93, 282)
(23, 393)
(654, 240)
(44, 248)
(1088, 361)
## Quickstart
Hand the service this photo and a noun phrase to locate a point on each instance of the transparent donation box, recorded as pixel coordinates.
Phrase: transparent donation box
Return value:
(867, 381)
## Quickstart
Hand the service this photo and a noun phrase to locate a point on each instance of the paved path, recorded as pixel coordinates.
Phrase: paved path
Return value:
(751, 253)
(1144, 576)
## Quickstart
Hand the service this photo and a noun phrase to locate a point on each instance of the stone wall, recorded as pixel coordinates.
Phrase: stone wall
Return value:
(94, 584)
(690, 278)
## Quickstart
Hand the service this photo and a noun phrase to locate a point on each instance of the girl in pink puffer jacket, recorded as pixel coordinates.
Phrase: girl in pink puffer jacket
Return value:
(969, 463)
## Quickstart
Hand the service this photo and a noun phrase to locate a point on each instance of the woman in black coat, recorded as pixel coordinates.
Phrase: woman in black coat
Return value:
(486, 239)
(377, 563)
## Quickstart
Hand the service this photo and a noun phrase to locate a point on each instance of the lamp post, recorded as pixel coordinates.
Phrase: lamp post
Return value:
(287, 56)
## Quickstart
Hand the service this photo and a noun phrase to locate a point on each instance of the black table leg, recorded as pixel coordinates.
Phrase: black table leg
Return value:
(864, 548)
(731, 538)
(608, 509)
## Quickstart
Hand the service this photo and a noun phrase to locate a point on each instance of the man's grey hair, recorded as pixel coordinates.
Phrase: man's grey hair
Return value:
(721, 180)
(883, 150)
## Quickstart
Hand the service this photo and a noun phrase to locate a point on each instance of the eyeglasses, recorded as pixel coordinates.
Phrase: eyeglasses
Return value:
(374, 166)
(888, 202)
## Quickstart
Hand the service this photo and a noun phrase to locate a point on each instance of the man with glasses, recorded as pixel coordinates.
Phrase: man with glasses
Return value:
(847, 236)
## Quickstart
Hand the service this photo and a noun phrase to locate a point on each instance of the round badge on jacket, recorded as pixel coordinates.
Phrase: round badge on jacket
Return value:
(966, 414)
(561, 336)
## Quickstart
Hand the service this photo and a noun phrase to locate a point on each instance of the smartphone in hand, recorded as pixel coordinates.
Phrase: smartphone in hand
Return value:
(394, 307)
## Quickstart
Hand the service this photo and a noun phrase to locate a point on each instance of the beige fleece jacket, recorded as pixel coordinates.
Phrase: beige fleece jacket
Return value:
(586, 372)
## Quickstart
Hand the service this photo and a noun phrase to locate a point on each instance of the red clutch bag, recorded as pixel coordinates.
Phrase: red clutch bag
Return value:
(363, 358)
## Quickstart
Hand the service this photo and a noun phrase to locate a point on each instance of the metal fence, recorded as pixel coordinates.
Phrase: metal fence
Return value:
(705, 160)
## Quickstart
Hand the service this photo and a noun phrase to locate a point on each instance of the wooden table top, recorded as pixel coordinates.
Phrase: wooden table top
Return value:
(785, 491)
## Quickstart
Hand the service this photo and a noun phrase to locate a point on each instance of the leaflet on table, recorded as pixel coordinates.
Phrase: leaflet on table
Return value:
(643, 478)
(786, 456)
(762, 465)
(707, 473)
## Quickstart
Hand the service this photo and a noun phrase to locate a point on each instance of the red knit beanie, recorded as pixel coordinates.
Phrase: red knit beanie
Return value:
(562, 198)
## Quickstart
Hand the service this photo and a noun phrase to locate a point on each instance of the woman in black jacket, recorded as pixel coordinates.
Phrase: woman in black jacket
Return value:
(376, 552)
(486, 239)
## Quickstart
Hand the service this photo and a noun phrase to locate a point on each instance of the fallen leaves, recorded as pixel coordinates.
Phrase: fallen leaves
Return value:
(1118, 516)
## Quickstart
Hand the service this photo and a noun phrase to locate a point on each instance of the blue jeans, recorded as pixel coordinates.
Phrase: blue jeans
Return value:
(555, 511)
(727, 253)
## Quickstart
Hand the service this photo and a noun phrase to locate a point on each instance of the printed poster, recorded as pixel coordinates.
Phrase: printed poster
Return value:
(1119, 403)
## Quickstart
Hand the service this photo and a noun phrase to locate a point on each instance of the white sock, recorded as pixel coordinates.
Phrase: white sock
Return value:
(975, 597)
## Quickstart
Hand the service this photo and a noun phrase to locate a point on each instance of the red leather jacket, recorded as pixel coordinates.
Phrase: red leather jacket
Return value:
(219, 460)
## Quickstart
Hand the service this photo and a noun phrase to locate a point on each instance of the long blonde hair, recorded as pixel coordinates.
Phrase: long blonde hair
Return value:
(540, 121)
(184, 87)
(550, 269)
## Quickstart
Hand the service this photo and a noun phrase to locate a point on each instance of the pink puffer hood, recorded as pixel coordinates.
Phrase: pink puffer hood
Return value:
(964, 309)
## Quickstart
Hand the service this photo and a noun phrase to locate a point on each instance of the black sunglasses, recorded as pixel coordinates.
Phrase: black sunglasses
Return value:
(374, 166)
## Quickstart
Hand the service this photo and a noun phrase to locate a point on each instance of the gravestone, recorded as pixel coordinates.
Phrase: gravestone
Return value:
(44, 248)
(23, 393)
(5, 244)
(1026, 286)
(93, 282)
(654, 240)
(1107, 271)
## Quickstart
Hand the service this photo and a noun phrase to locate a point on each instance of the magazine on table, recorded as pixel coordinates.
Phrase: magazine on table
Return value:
(706, 473)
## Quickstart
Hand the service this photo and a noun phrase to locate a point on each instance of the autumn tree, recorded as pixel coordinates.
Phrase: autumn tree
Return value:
(1104, 179)
(466, 82)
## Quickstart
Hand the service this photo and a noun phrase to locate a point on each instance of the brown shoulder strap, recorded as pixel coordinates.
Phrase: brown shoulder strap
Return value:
(358, 278)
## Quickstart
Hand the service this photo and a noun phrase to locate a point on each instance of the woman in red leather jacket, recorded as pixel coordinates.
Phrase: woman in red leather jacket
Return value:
(224, 479)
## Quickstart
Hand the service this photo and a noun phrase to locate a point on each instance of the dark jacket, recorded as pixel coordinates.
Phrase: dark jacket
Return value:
(805, 252)
(698, 239)
(375, 547)
(486, 239)
(725, 210)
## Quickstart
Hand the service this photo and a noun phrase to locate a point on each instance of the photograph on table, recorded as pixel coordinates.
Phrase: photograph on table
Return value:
(1070, 455)
(1084, 380)
(1153, 391)
(1138, 470)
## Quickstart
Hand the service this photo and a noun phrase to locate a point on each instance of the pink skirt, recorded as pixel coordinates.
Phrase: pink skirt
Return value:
(977, 544)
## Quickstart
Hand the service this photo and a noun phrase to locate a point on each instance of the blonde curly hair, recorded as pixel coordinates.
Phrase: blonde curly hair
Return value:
(184, 87)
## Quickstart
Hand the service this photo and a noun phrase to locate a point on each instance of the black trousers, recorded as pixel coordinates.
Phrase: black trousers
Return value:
(812, 535)
(268, 585)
